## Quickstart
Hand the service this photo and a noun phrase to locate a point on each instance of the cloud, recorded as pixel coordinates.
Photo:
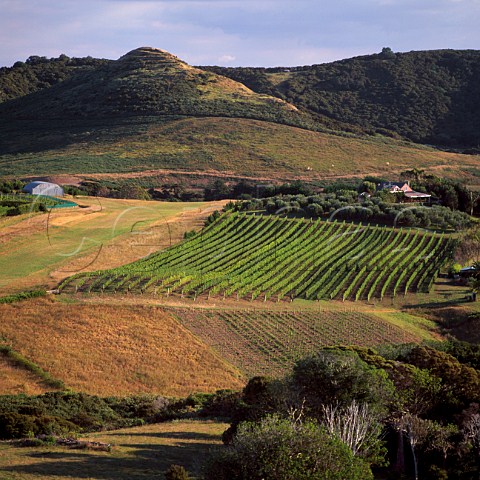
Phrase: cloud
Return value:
(254, 33)
(227, 58)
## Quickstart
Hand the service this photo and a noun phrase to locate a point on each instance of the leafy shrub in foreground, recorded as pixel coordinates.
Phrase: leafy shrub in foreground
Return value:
(282, 449)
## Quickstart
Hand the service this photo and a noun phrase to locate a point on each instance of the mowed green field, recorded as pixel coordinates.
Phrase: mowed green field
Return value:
(279, 258)
(41, 249)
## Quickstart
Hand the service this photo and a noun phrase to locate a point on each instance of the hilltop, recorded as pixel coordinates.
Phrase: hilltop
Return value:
(151, 112)
(149, 82)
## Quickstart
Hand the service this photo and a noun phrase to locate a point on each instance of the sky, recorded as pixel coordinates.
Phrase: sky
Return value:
(235, 32)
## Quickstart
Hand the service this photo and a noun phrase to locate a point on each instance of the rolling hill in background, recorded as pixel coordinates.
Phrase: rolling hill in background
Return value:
(150, 112)
(428, 97)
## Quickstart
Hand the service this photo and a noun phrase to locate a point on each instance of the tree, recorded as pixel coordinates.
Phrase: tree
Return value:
(471, 431)
(416, 431)
(461, 384)
(217, 191)
(387, 52)
(369, 187)
(443, 439)
(359, 428)
(277, 448)
(334, 376)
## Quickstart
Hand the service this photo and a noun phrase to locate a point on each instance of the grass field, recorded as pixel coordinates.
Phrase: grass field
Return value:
(118, 345)
(243, 147)
(137, 453)
(43, 248)
(16, 380)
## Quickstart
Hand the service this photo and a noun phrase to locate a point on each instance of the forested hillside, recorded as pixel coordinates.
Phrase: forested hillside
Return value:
(148, 81)
(428, 96)
(38, 73)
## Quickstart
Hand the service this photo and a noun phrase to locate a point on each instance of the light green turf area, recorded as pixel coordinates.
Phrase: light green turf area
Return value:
(107, 230)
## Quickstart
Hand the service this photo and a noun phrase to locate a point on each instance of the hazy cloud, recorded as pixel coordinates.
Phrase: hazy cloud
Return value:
(252, 32)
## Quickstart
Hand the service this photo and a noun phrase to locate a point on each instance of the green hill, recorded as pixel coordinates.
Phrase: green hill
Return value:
(150, 111)
(428, 96)
(192, 147)
(149, 82)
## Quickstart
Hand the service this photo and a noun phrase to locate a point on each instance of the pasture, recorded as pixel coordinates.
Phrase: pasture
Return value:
(137, 453)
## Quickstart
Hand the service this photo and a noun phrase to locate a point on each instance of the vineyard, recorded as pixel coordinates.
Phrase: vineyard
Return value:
(261, 342)
(273, 258)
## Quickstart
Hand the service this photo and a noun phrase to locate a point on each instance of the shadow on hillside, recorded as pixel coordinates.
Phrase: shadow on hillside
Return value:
(147, 461)
(174, 435)
(441, 304)
(34, 136)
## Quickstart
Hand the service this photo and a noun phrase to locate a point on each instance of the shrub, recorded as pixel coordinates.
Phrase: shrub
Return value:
(17, 425)
(176, 472)
(277, 448)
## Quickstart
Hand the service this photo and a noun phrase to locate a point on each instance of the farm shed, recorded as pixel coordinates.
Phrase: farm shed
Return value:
(44, 188)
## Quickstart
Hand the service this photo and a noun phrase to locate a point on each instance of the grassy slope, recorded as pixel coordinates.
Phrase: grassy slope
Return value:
(16, 380)
(123, 345)
(107, 350)
(240, 146)
(180, 442)
(42, 249)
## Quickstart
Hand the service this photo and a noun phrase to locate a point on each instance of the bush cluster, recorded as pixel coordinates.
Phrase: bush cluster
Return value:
(411, 411)
(344, 205)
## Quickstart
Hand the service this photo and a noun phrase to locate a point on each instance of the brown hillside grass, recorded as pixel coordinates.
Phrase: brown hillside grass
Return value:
(16, 380)
(112, 350)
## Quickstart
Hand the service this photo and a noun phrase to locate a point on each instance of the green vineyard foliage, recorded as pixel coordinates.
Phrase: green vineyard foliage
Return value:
(253, 256)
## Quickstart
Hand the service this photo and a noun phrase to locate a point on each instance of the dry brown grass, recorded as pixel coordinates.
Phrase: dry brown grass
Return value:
(16, 380)
(113, 350)
(138, 453)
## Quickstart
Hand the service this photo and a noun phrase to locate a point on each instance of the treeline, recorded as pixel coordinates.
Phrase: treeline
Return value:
(344, 205)
(38, 73)
(410, 412)
(361, 201)
(427, 96)
(66, 413)
(244, 190)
